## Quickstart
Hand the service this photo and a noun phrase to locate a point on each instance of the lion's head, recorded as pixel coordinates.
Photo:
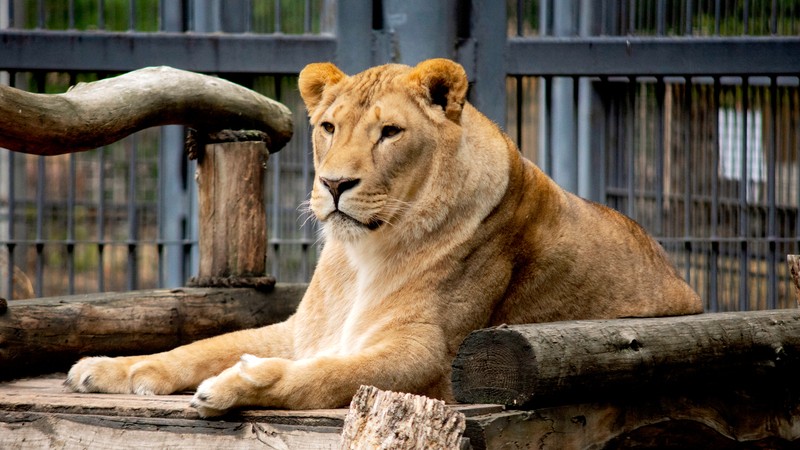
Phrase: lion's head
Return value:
(382, 141)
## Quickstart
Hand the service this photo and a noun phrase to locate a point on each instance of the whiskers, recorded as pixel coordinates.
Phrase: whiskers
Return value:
(305, 213)
(391, 211)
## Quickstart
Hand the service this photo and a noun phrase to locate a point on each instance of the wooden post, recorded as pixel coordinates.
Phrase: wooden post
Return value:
(233, 224)
(391, 420)
(794, 269)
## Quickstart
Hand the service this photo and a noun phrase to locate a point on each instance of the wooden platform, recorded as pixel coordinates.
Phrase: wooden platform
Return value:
(38, 413)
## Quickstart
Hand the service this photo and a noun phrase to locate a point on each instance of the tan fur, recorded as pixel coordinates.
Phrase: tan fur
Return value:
(448, 229)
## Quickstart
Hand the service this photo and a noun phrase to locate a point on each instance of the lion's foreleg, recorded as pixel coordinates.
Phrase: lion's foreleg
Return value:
(410, 364)
(182, 368)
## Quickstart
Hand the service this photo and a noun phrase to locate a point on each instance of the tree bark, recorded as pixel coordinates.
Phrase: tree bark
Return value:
(94, 114)
(553, 363)
(46, 335)
(390, 420)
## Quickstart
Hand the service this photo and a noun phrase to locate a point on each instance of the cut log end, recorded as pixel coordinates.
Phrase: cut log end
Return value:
(504, 373)
(383, 419)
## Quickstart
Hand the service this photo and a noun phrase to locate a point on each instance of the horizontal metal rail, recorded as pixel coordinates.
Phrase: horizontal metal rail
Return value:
(100, 51)
(656, 56)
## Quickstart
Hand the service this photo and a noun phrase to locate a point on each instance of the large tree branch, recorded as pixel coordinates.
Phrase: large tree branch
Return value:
(94, 114)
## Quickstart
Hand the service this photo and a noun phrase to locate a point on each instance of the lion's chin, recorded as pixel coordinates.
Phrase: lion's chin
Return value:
(344, 227)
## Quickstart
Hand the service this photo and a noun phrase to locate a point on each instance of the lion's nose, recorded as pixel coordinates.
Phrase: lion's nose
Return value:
(338, 187)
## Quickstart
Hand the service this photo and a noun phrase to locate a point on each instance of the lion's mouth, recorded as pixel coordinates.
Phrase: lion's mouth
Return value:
(372, 225)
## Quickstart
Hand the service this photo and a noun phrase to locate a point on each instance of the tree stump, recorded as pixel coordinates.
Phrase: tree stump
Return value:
(390, 420)
(794, 269)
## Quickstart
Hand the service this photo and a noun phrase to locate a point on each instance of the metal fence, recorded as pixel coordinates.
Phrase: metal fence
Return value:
(682, 114)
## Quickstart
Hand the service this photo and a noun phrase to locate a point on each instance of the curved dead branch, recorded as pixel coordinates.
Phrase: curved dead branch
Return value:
(94, 114)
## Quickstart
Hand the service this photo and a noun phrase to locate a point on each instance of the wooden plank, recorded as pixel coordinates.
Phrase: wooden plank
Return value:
(560, 362)
(63, 431)
(49, 334)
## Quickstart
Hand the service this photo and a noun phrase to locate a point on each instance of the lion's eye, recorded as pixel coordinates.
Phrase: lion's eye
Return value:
(328, 127)
(390, 131)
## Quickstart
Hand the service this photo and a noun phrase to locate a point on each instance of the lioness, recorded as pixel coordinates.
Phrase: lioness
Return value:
(434, 226)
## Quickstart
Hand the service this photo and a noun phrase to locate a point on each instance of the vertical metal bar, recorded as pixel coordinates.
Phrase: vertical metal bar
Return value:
(688, 199)
(71, 14)
(41, 21)
(661, 17)
(308, 184)
(746, 17)
(519, 109)
(101, 216)
(71, 225)
(689, 16)
(632, 17)
(717, 13)
(714, 257)
(307, 24)
(609, 124)
(131, 15)
(11, 23)
(520, 18)
(773, 18)
(772, 229)
(41, 176)
(248, 16)
(132, 271)
(278, 16)
(276, 196)
(661, 92)
(744, 256)
(630, 147)
(101, 14)
(11, 218)
(545, 127)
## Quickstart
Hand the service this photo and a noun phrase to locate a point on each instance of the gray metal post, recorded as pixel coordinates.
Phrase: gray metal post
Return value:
(587, 163)
(172, 201)
(564, 152)
(488, 30)
(420, 29)
(354, 36)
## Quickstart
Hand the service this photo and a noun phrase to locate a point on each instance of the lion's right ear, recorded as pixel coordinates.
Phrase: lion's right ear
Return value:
(313, 81)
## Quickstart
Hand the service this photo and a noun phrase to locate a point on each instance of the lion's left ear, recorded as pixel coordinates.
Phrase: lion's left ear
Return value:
(313, 81)
(445, 82)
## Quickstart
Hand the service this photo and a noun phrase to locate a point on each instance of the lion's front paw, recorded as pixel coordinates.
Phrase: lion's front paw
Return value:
(211, 400)
(119, 376)
(99, 374)
(247, 383)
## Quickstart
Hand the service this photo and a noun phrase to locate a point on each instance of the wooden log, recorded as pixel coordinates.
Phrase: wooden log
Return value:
(233, 222)
(94, 114)
(49, 334)
(391, 420)
(794, 270)
(552, 363)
